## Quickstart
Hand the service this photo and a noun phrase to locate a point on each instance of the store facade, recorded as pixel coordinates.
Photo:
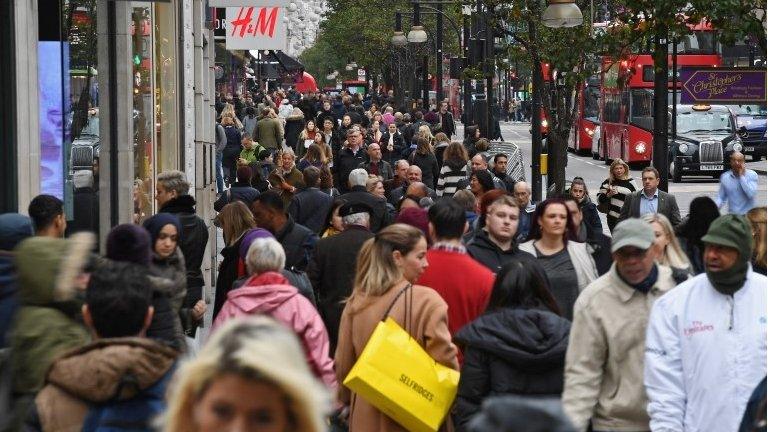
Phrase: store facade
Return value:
(105, 95)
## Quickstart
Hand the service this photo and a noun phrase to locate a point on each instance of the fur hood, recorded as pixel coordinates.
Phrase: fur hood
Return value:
(47, 268)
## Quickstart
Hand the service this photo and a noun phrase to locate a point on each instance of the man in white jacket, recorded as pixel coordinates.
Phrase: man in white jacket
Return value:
(706, 341)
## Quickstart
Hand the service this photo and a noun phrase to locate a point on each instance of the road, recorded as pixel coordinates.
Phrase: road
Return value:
(594, 171)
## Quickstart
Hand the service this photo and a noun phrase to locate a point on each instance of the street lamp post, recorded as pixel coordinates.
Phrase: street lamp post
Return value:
(466, 13)
(559, 13)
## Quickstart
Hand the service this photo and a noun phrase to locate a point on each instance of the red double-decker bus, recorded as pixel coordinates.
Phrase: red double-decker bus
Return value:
(626, 95)
(586, 122)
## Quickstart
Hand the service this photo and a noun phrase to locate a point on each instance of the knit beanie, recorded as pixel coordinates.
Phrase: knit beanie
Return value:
(731, 231)
(156, 223)
(415, 217)
(129, 243)
(251, 236)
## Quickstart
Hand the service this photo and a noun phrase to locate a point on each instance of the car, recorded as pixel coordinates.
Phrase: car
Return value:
(750, 122)
(705, 138)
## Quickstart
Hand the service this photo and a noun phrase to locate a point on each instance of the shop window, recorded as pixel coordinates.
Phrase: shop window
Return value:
(143, 109)
(167, 108)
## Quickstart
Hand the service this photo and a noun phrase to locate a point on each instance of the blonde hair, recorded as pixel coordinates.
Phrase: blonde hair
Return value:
(371, 183)
(673, 253)
(426, 132)
(255, 348)
(235, 219)
(229, 111)
(757, 218)
(615, 162)
(377, 271)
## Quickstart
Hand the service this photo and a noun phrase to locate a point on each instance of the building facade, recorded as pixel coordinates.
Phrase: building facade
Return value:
(99, 97)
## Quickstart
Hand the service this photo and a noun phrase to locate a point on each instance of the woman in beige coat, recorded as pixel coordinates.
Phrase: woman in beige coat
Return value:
(386, 265)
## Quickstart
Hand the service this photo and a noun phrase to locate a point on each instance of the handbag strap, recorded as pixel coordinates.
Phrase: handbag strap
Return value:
(408, 306)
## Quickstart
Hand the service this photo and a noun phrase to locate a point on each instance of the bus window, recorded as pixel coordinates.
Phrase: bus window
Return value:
(591, 102)
(700, 42)
(611, 112)
(641, 112)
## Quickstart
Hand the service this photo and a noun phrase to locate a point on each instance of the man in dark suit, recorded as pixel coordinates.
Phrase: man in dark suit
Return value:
(650, 200)
(332, 268)
(447, 125)
(359, 194)
(310, 206)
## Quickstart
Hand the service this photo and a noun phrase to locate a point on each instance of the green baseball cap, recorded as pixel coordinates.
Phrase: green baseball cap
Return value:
(731, 231)
(632, 232)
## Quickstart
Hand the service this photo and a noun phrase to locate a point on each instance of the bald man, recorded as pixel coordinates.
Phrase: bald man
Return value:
(414, 175)
(738, 186)
(479, 163)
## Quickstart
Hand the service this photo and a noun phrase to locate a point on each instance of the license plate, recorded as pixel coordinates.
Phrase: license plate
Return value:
(711, 167)
(749, 149)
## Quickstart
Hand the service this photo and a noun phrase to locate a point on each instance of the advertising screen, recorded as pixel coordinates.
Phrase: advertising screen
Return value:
(53, 82)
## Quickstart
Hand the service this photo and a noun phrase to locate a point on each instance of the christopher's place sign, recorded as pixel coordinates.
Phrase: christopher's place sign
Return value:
(722, 85)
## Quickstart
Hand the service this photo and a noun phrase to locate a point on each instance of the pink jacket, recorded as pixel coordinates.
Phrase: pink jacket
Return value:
(271, 294)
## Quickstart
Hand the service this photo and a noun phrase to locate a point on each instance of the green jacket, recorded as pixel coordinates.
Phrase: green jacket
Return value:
(47, 322)
(270, 133)
(252, 155)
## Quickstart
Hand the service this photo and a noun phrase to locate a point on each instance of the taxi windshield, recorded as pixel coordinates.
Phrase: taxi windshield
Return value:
(703, 121)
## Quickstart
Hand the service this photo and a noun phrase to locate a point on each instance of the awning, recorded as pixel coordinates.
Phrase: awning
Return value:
(282, 61)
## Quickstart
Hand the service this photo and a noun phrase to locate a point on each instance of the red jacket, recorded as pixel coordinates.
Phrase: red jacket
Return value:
(462, 282)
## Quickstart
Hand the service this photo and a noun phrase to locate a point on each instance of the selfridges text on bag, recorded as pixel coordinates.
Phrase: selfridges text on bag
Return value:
(396, 375)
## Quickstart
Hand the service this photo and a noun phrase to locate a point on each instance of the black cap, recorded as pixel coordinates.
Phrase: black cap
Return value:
(351, 208)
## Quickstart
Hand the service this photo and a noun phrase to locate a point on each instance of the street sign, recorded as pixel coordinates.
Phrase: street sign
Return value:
(722, 85)
(256, 28)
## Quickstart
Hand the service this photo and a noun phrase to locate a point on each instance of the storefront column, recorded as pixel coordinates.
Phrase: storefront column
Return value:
(27, 103)
(204, 150)
(116, 113)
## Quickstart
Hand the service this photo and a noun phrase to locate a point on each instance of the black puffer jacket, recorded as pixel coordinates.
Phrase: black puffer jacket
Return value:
(510, 351)
(168, 279)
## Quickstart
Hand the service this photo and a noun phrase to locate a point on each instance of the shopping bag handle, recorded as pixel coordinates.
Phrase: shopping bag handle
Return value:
(406, 319)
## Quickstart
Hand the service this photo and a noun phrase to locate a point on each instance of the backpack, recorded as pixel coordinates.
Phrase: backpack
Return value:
(136, 414)
(300, 280)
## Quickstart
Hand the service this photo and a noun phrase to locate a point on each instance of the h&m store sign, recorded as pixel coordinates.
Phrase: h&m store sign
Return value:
(252, 27)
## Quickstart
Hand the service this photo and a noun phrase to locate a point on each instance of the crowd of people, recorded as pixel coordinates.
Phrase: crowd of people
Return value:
(550, 321)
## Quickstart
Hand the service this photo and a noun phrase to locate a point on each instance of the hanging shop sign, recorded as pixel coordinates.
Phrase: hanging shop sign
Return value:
(254, 3)
(256, 28)
(722, 85)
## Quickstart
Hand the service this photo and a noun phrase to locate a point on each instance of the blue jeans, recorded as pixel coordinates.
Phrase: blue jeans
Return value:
(219, 174)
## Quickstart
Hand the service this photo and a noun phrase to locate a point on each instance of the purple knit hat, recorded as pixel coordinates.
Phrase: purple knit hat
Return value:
(250, 236)
(415, 217)
(388, 119)
(129, 243)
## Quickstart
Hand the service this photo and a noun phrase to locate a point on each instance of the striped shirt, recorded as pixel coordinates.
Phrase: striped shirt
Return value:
(623, 188)
(448, 181)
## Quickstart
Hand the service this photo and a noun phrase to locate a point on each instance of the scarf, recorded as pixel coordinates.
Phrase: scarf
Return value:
(646, 284)
(729, 281)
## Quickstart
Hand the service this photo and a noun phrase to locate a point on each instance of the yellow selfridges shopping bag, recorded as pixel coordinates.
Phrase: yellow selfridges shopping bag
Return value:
(396, 375)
